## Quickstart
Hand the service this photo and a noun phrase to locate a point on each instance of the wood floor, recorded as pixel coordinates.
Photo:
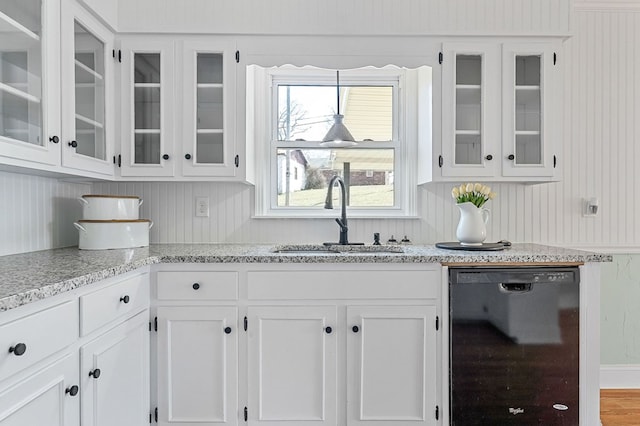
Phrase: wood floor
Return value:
(620, 407)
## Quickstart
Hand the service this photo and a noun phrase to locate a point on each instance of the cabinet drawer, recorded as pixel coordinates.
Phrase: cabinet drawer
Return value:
(116, 301)
(323, 284)
(203, 285)
(33, 338)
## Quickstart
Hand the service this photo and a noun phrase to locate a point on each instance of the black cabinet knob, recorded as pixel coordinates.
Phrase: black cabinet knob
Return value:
(511, 157)
(95, 373)
(227, 330)
(195, 286)
(165, 157)
(54, 139)
(355, 328)
(187, 156)
(328, 330)
(125, 299)
(18, 350)
(73, 144)
(489, 157)
(72, 390)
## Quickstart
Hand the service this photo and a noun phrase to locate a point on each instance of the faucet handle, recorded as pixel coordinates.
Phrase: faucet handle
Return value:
(376, 238)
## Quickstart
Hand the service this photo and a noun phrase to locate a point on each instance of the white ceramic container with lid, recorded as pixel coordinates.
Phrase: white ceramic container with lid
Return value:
(113, 234)
(110, 207)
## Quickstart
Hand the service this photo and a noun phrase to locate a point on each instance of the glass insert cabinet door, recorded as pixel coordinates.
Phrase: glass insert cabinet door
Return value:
(147, 120)
(208, 114)
(529, 84)
(147, 108)
(22, 112)
(89, 94)
(470, 105)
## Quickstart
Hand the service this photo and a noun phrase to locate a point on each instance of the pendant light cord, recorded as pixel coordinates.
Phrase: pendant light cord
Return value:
(338, 90)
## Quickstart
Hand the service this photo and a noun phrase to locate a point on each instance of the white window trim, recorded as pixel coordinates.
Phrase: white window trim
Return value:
(262, 99)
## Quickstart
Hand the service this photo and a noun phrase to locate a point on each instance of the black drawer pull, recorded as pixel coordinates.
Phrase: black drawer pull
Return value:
(328, 330)
(73, 144)
(72, 390)
(125, 299)
(195, 286)
(227, 330)
(165, 157)
(18, 350)
(95, 373)
(355, 328)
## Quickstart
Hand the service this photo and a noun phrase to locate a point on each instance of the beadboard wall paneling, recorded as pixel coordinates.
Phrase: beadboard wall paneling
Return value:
(336, 17)
(37, 213)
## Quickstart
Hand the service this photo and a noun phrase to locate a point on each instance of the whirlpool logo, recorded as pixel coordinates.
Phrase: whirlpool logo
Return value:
(516, 411)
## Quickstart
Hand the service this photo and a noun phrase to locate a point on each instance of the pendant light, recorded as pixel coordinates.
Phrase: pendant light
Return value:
(338, 135)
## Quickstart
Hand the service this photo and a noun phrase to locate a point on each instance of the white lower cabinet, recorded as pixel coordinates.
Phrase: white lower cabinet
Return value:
(197, 365)
(48, 397)
(301, 344)
(292, 365)
(115, 375)
(391, 365)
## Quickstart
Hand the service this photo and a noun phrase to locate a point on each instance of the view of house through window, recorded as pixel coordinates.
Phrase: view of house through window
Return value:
(304, 168)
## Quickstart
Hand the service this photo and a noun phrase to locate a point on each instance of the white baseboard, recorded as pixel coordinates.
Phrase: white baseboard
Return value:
(620, 376)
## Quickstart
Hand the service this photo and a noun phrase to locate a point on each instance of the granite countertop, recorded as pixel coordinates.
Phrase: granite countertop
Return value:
(28, 277)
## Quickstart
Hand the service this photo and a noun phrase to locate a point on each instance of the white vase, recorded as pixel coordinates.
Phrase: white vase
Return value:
(472, 228)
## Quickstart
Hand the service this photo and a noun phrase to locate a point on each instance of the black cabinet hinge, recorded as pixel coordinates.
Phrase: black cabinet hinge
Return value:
(440, 57)
(155, 414)
(555, 161)
(119, 160)
(437, 323)
(119, 55)
(150, 418)
(555, 58)
(246, 414)
(237, 56)
(437, 412)
(440, 161)
(246, 323)
(237, 161)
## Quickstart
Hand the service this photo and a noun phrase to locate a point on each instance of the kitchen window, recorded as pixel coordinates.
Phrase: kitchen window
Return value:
(292, 108)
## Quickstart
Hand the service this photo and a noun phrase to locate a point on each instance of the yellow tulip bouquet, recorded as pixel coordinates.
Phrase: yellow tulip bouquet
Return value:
(475, 193)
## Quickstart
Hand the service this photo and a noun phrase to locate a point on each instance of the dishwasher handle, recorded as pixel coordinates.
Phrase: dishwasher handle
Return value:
(515, 287)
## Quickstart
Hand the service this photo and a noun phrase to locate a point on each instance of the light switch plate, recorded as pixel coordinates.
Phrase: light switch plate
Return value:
(202, 206)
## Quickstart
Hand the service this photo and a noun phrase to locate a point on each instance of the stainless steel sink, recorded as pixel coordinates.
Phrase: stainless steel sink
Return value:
(335, 249)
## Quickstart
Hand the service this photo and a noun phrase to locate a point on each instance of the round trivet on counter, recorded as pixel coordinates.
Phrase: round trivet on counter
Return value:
(455, 245)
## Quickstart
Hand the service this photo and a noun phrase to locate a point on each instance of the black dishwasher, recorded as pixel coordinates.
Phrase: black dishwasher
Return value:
(514, 345)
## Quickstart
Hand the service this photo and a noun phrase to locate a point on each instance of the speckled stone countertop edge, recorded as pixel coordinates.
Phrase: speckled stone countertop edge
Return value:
(21, 282)
(52, 289)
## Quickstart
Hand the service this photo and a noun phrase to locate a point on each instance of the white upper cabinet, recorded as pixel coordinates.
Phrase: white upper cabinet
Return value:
(530, 114)
(500, 106)
(87, 105)
(147, 104)
(55, 88)
(178, 108)
(471, 110)
(29, 81)
(208, 109)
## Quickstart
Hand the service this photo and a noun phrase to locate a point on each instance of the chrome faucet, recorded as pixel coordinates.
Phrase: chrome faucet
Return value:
(328, 204)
